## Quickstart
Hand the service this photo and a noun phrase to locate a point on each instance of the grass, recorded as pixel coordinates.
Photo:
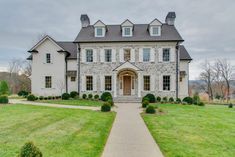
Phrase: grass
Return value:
(77, 102)
(57, 132)
(187, 130)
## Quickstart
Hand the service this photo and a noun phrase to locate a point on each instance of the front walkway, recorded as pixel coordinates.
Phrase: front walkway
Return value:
(129, 136)
(18, 101)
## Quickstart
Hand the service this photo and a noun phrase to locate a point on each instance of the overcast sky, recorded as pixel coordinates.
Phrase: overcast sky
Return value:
(207, 26)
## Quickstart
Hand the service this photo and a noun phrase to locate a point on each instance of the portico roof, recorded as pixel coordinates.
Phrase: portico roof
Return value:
(127, 65)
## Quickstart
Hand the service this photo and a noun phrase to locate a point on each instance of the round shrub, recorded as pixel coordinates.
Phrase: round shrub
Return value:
(41, 98)
(45, 98)
(171, 99)
(201, 104)
(165, 99)
(96, 97)
(4, 99)
(150, 109)
(49, 97)
(230, 105)
(84, 96)
(73, 94)
(105, 96)
(106, 107)
(178, 100)
(90, 96)
(65, 96)
(23, 93)
(145, 103)
(158, 99)
(145, 98)
(36, 98)
(30, 150)
(188, 100)
(151, 98)
(31, 97)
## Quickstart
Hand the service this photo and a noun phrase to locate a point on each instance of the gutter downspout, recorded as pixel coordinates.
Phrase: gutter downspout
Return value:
(177, 69)
(78, 57)
(66, 78)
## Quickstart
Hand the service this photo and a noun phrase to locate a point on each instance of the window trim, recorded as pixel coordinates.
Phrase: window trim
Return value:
(48, 58)
(48, 84)
(92, 55)
(169, 86)
(148, 54)
(90, 83)
(168, 55)
(129, 51)
(159, 30)
(148, 83)
(105, 83)
(124, 31)
(105, 51)
(102, 32)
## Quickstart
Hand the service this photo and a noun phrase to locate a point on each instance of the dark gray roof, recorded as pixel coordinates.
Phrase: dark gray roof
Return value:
(69, 47)
(141, 33)
(184, 55)
(171, 15)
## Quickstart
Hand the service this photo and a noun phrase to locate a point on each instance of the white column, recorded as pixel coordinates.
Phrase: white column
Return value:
(139, 83)
(115, 84)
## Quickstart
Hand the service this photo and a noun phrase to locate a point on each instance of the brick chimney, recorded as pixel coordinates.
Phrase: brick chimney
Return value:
(85, 21)
(170, 18)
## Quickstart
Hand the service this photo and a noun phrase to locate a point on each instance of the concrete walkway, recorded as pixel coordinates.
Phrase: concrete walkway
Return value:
(129, 136)
(19, 101)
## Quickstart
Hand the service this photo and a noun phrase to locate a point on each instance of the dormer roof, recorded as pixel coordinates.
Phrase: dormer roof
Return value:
(155, 22)
(127, 23)
(99, 23)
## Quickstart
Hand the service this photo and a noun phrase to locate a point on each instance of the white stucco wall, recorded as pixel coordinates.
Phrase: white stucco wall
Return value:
(183, 86)
(72, 65)
(55, 69)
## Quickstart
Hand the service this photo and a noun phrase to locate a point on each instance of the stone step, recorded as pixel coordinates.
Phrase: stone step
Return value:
(123, 99)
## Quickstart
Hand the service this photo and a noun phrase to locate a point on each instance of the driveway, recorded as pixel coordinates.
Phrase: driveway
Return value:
(129, 136)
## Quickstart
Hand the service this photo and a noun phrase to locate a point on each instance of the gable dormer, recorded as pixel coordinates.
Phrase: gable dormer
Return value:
(155, 28)
(127, 28)
(100, 29)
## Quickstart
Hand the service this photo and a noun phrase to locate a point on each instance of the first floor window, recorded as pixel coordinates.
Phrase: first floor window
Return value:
(108, 55)
(166, 82)
(73, 79)
(127, 54)
(108, 83)
(48, 58)
(89, 83)
(147, 83)
(48, 82)
(146, 54)
(166, 55)
(89, 55)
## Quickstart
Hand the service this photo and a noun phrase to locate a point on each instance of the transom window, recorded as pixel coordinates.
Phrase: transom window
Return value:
(146, 83)
(48, 58)
(108, 82)
(89, 83)
(166, 82)
(127, 31)
(89, 55)
(166, 55)
(99, 32)
(73, 79)
(108, 55)
(48, 82)
(127, 54)
(146, 54)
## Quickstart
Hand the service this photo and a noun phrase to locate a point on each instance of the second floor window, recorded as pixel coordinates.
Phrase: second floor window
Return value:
(48, 58)
(108, 55)
(166, 82)
(108, 83)
(147, 83)
(89, 55)
(127, 54)
(48, 82)
(146, 54)
(166, 55)
(89, 83)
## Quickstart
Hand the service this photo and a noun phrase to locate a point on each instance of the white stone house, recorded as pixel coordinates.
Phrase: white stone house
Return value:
(129, 60)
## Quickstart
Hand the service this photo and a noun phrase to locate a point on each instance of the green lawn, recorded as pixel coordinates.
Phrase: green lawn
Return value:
(194, 131)
(77, 102)
(57, 132)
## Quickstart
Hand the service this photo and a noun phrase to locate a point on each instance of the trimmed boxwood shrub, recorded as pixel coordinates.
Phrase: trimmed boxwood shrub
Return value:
(90, 96)
(41, 98)
(4, 99)
(165, 99)
(49, 97)
(105, 96)
(188, 100)
(65, 96)
(201, 104)
(158, 99)
(106, 107)
(150, 109)
(230, 105)
(178, 100)
(30, 150)
(171, 99)
(145, 103)
(96, 97)
(73, 94)
(84, 96)
(145, 98)
(31, 97)
(151, 98)
(23, 93)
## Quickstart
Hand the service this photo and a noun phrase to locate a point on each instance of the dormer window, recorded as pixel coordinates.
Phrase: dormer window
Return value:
(155, 28)
(127, 28)
(127, 31)
(100, 29)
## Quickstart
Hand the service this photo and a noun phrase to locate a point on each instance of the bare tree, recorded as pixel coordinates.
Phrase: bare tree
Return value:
(226, 71)
(208, 76)
(219, 80)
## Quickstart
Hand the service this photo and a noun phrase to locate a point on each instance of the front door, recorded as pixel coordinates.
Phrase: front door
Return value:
(127, 85)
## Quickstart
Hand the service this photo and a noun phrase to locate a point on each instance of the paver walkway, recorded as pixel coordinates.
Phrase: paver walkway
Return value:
(18, 101)
(129, 136)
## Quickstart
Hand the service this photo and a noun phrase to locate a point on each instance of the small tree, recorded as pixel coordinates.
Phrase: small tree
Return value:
(30, 150)
(4, 89)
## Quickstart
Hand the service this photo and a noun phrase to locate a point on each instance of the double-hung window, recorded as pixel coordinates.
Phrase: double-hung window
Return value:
(99, 32)
(166, 55)
(127, 54)
(48, 82)
(146, 83)
(155, 31)
(146, 54)
(89, 83)
(48, 58)
(89, 55)
(108, 83)
(108, 55)
(166, 82)
(127, 31)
